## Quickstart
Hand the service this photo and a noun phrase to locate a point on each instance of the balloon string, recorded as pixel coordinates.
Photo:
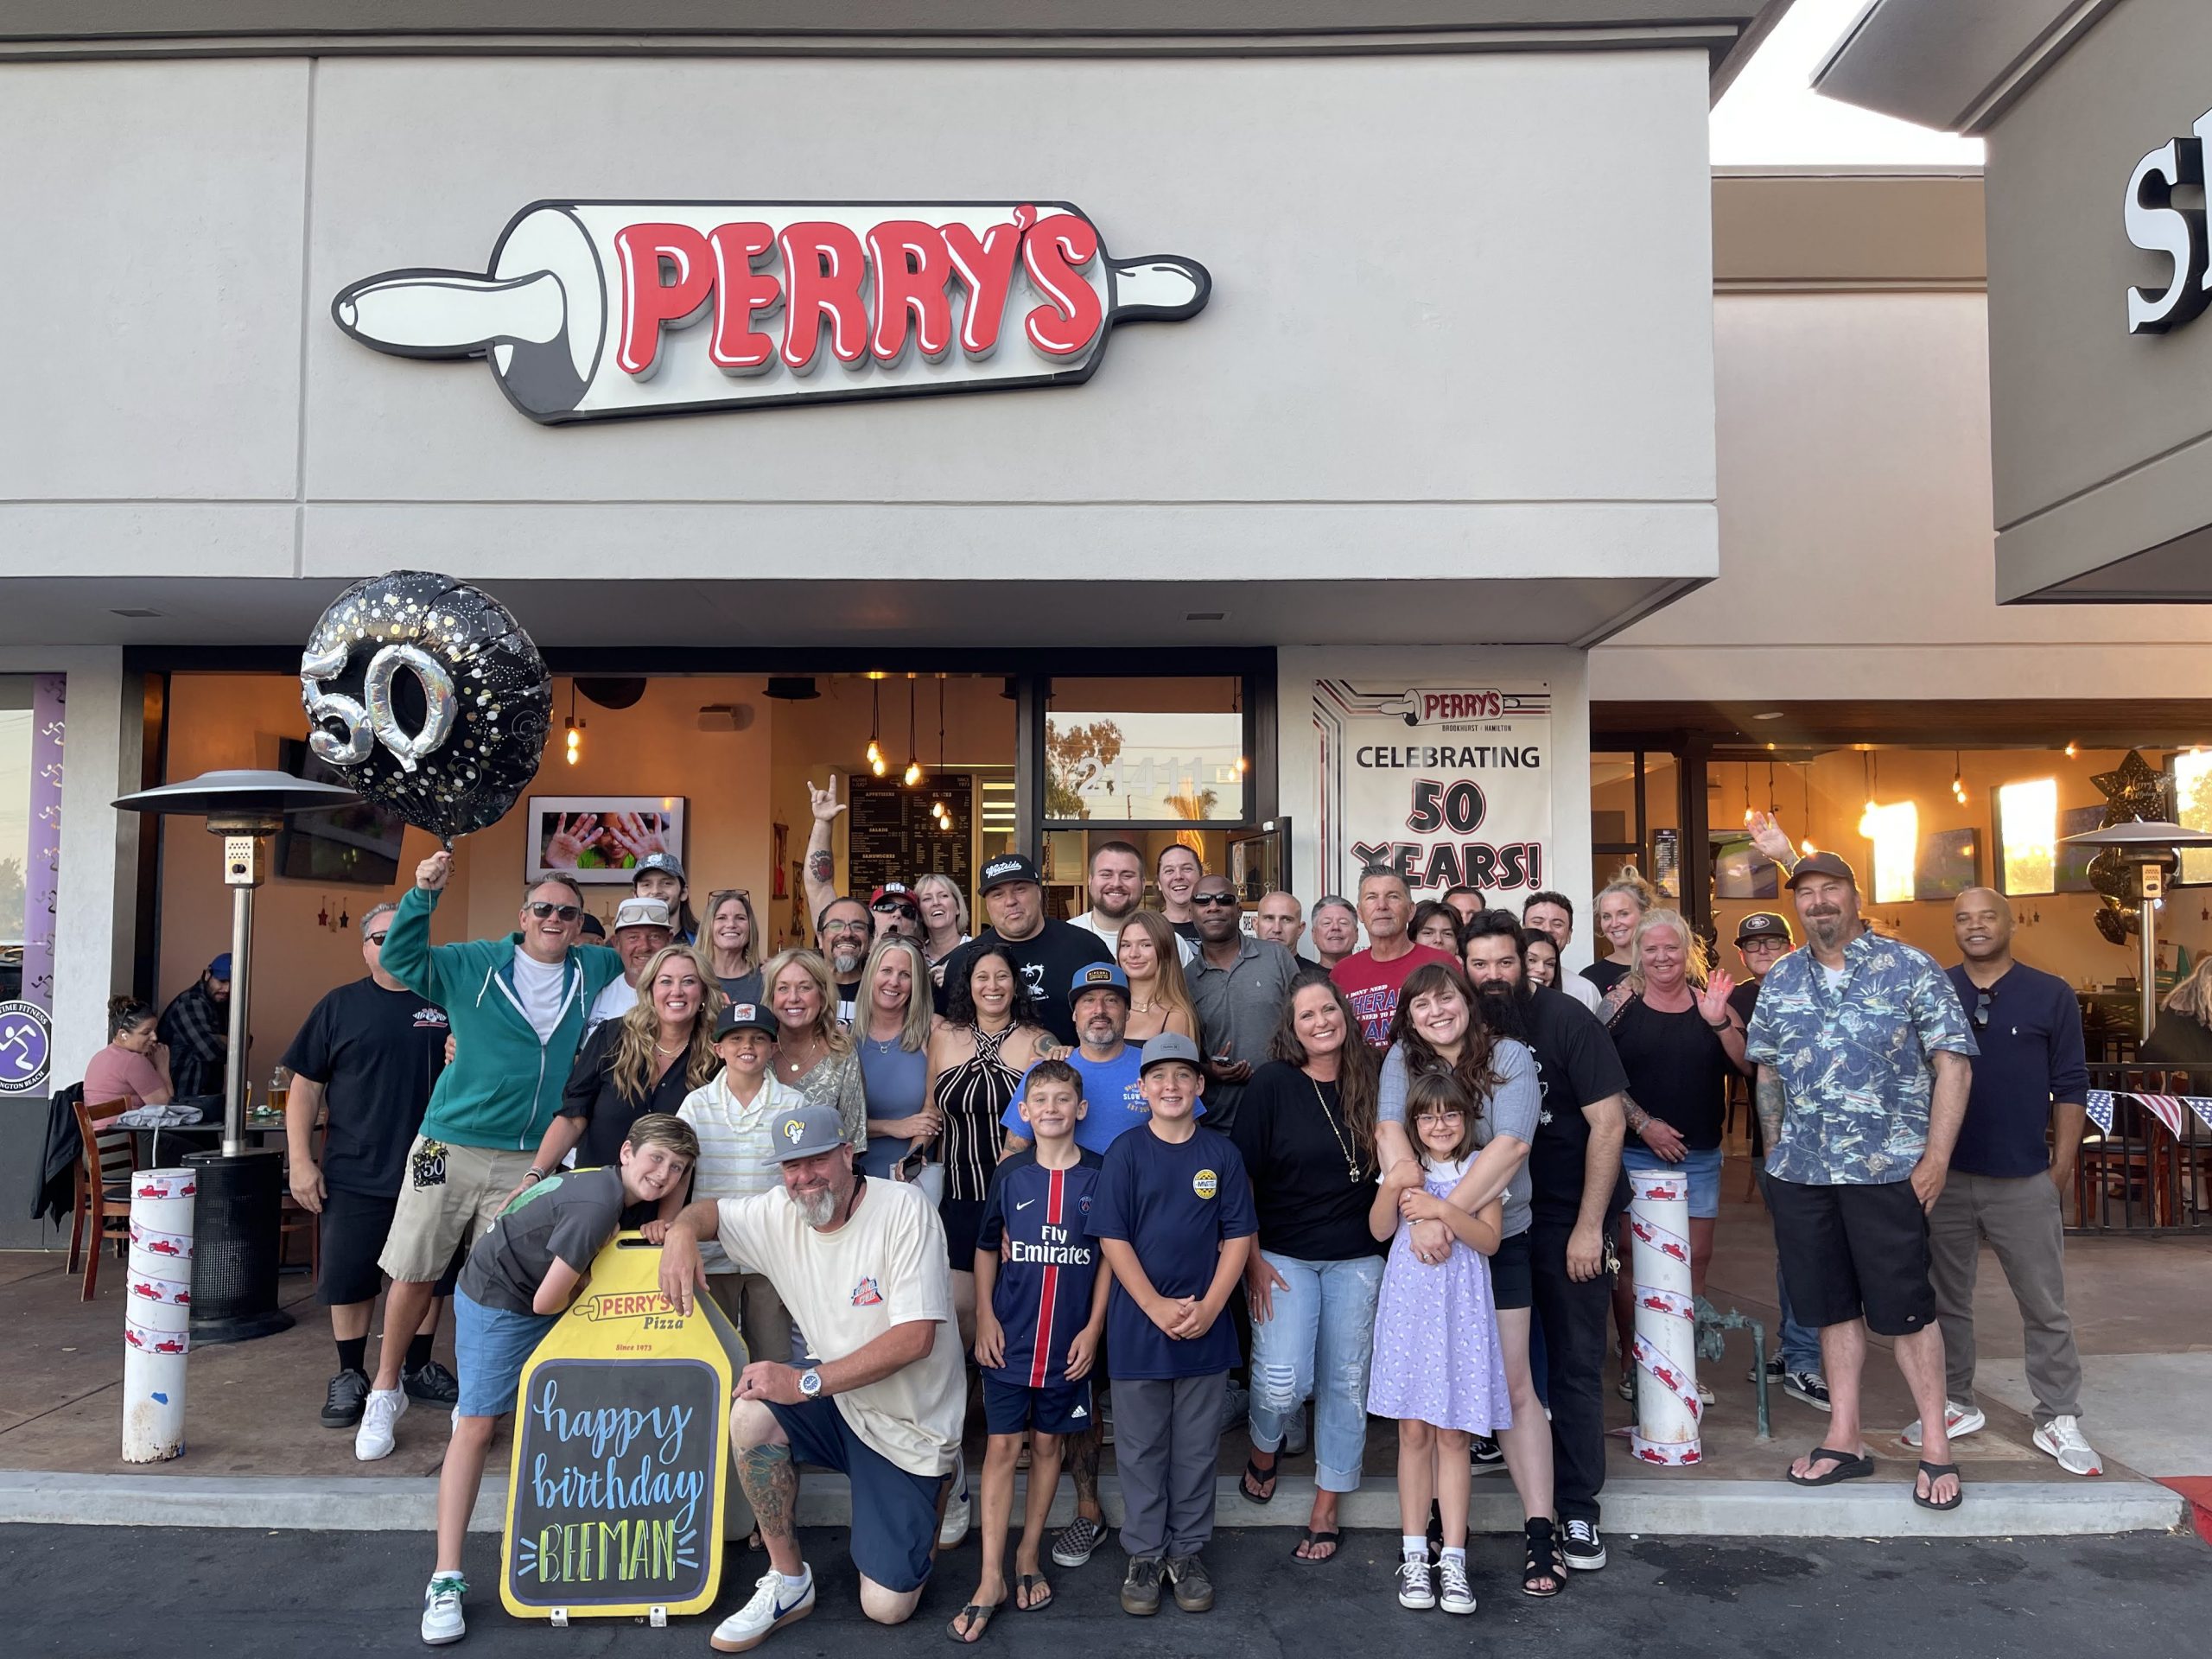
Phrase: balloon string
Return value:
(448, 841)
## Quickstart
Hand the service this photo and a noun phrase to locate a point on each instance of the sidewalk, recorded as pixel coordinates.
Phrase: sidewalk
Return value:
(257, 1456)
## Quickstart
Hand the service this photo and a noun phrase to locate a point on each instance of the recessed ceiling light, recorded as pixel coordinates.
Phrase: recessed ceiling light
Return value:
(1204, 616)
(135, 615)
(1772, 714)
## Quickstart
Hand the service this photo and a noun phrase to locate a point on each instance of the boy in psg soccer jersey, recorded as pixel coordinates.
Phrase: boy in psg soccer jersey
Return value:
(1040, 1312)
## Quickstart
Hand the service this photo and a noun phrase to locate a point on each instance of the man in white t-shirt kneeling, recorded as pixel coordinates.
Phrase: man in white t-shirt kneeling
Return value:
(880, 1394)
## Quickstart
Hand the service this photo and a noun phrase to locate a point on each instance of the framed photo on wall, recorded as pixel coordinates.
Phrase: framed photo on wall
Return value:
(1950, 862)
(598, 839)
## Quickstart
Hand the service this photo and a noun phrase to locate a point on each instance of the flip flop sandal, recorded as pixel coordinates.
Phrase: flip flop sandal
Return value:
(1254, 1475)
(1333, 1540)
(1025, 1592)
(1847, 1467)
(978, 1619)
(1542, 1562)
(1935, 1471)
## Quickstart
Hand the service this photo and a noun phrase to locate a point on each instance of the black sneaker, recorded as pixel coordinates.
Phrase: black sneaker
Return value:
(1486, 1451)
(342, 1406)
(1583, 1546)
(433, 1383)
(1072, 1546)
(1141, 1590)
(1193, 1589)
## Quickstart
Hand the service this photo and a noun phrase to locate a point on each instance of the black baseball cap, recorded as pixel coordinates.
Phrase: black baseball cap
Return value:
(748, 1016)
(1007, 866)
(1821, 864)
(1763, 924)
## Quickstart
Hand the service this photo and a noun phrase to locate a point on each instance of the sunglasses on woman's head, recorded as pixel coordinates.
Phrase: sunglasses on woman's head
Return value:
(540, 909)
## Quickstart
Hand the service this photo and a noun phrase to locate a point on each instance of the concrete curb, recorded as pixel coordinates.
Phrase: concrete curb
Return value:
(1688, 1507)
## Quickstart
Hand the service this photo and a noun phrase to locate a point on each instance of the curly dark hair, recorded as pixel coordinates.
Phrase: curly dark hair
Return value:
(1476, 1068)
(960, 993)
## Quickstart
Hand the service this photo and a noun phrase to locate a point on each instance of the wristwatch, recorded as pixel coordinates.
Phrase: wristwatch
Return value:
(810, 1383)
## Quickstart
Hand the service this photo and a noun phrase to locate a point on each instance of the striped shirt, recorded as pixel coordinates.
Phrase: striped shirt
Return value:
(736, 1151)
(1049, 1267)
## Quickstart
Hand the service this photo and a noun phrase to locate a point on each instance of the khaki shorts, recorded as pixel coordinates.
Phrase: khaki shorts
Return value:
(449, 1196)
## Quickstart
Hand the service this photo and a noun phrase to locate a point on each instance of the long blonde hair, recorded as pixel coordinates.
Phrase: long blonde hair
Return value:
(2193, 997)
(1627, 880)
(635, 1067)
(914, 1035)
(1169, 988)
(812, 965)
(1696, 966)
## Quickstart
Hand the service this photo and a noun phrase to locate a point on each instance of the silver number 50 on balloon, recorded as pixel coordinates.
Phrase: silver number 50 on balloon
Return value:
(372, 719)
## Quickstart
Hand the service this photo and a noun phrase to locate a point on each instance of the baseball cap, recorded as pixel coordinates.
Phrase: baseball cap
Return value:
(1820, 864)
(652, 861)
(220, 967)
(1098, 976)
(748, 1016)
(806, 1132)
(1008, 867)
(641, 912)
(1763, 924)
(897, 891)
(593, 928)
(1169, 1046)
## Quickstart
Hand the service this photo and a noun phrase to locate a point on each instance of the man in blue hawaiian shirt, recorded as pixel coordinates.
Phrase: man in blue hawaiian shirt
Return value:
(1862, 1049)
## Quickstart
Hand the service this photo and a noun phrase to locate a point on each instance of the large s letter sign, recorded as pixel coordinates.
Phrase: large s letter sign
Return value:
(2157, 224)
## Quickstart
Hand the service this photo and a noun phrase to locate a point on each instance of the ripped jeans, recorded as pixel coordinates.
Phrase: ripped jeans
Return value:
(1317, 1346)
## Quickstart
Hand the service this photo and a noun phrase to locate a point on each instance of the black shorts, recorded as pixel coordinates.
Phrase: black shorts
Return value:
(352, 1230)
(1849, 1252)
(1511, 1283)
(1054, 1408)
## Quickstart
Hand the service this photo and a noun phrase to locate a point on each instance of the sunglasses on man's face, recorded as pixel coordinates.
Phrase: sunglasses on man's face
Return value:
(377, 938)
(893, 907)
(540, 909)
(1213, 899)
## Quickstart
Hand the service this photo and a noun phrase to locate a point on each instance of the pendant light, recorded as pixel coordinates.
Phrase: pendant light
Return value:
(574, 728)
(875, 723)
(912, 775)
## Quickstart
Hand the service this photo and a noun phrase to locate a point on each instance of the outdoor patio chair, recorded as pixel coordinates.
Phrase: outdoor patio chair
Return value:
(107, 1161)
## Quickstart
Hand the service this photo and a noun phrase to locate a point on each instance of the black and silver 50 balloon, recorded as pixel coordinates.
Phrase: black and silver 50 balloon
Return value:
(428, 698)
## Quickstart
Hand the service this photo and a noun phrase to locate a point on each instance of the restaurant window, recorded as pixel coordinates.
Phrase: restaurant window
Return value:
(2027, 836)
(2192, 773)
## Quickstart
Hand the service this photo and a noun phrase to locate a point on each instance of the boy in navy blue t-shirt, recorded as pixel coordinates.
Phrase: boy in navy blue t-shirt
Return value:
(1173, 1215)
(1040, 1312)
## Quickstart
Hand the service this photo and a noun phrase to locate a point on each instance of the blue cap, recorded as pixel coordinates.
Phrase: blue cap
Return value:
(1098, 976)
(220, 967)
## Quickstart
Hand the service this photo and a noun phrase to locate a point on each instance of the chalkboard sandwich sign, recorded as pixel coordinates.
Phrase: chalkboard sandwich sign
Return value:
(615, 1503)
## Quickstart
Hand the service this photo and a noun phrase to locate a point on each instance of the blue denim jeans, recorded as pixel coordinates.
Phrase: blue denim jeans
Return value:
(1316, 1346)
(1800, 1345)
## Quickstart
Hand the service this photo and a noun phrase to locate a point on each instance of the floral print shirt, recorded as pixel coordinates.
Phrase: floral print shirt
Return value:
(1853, 1059)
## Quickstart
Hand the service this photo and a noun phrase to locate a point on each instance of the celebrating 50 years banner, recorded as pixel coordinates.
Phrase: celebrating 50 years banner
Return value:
(1449, 785)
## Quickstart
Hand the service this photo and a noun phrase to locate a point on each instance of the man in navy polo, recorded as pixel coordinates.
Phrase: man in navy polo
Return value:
(2009, 1170)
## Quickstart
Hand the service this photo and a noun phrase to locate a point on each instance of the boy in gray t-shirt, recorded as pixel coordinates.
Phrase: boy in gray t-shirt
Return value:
(521, 1275)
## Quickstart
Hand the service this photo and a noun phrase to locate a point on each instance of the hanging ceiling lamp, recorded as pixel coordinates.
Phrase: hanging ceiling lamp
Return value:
(912, 775)
(875, 723)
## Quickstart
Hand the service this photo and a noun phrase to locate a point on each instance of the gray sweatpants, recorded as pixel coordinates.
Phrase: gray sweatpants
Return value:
(2022, 1221)
(1166, 1437)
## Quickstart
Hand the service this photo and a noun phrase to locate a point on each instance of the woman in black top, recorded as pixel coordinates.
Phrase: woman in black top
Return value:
(1680, 1042)
(1307, 1131)
(1621, 904)
(646, 1061)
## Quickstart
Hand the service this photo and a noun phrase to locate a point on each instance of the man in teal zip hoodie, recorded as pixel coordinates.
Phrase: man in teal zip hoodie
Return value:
(517, 1007)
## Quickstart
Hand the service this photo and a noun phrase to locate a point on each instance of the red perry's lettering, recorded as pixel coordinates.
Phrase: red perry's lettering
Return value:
(867, 297)
(1461, 705)
(631, 1306)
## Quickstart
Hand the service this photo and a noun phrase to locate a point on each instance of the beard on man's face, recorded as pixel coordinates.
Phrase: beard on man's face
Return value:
(1499, 1002)
(819, 1208)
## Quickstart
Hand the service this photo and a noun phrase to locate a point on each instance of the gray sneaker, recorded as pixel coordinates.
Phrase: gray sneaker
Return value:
(1193, 1589)
(1141, 1589)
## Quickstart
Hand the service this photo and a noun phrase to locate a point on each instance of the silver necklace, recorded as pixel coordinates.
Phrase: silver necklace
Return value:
(1342, 1139)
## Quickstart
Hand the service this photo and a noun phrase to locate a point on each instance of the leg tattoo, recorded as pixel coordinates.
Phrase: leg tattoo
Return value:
(771, 1486)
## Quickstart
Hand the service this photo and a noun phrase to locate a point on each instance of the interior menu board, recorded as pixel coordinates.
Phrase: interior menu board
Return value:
(895, 836)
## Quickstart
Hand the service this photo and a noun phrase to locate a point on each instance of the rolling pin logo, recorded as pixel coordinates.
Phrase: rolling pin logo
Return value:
(595, 309)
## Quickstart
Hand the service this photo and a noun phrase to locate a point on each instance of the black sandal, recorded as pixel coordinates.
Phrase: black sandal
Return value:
(1847, 1467)
(1935, 1471)
(1313, 1540)
(1254, 1473)
(1542, 1562)
(976, 1617)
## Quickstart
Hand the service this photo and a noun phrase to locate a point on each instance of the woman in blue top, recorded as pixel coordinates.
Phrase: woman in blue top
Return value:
(894, 1027)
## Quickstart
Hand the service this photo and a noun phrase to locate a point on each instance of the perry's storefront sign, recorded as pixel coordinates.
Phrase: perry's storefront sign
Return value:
(594, 309)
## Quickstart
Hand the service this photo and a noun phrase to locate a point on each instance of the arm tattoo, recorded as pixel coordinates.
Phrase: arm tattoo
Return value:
(1769, 1097)
(771, 1486)
(820, 867)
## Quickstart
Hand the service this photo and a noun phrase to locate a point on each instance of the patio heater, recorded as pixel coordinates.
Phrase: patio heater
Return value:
(234, 1259)
(2152, 847)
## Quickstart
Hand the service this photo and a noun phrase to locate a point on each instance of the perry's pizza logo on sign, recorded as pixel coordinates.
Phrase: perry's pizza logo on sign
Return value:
(1205, 1183)
(591, 310)
(634, 1305)
(867, 1294)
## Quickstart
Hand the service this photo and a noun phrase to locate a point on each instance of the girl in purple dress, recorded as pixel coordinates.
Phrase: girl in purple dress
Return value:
(1437, 1368)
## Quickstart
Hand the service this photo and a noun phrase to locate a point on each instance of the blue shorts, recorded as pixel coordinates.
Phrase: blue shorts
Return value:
(491, 1345)
(1055, 1409)
(894, 1514)
(1703, 1169)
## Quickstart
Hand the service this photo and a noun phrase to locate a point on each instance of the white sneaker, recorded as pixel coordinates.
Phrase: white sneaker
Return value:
(1459, 1596)
(2061, 1438)
(441, 1619)
(1415, 1590)
(373, 1440)
(959, 1510)
(772, 1607)
(1958, 1421)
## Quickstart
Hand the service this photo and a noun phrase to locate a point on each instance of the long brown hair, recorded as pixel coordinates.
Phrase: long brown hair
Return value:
(751, 957)
(1357, 1069)
(1476, 1069)
(635, 1067)
(1168, 985)
(1441, 1091)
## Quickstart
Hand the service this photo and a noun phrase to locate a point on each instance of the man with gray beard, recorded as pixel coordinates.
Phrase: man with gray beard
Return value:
(880, 1396)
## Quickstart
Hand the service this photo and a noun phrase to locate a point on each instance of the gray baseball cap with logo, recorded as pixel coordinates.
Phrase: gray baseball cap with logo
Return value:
(806, 1132)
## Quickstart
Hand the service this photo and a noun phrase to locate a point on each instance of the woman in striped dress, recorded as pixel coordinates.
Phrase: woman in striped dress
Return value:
(989, 1037)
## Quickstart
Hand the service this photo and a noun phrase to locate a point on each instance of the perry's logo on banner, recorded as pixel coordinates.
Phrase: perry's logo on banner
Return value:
(593, 309)
(1423, 708)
